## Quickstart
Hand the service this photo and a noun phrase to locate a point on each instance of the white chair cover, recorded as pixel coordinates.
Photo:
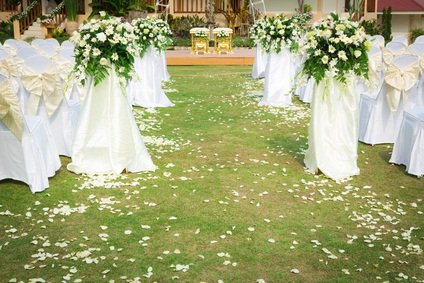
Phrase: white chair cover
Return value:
(417, 49)
(24, 53)
(107, 139)
(46, 98)
(259, 63)
(400, 38)
(377, 40)
(279, 77)
(409, 146)
(48, 47)
(3, 53)
(67, 45)
(32, 159)
(145, 89)
(380, 121)
(375, 74)
(333, 130)
(392, 50)
(419, 39)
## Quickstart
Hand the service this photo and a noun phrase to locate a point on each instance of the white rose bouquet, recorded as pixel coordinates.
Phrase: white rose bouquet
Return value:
(336, 47)
(276, 33)
(152, 32)
(102, 44)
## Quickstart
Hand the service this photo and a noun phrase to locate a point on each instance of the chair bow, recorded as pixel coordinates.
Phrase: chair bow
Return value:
(400, 81)
(10, 67)
(10, 110)
(375, 64)
(45, 85)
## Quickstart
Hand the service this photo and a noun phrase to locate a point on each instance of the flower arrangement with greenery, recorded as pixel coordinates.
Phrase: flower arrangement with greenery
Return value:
(201, 34)
(102, 44)
(336, 47)
(276, 33)
(223, 33)
(47, 22)
(151, 32)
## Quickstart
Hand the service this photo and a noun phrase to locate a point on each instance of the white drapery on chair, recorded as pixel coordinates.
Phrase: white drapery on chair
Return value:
(419, 39)
(145, 89)
(400, 38)
(409, 146)
(377, 40)
(279, 77)
(107, 138)
(27, 148)
(48, 47)
(392, 50)
(380, 117)
(46, 98)
(26, 52)
(259, 63)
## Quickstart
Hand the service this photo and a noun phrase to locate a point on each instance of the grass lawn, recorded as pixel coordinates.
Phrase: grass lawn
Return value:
(230, 201)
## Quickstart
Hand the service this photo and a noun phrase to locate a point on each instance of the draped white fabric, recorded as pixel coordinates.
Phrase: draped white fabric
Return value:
(279, 76)
(161, 61)
(308, 92)
(107, 139)
(409, 145)
(333, 130)
(33, 157)
(145, 89)
(259, 63)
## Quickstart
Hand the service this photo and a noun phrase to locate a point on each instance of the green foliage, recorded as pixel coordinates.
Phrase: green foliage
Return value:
(181, 26)
(181, 41)
(371, 27)
(416, 33)
(119, 8)
(387, 24)
(71, 8)
(307, 8)
(6, 31)
(243, 42)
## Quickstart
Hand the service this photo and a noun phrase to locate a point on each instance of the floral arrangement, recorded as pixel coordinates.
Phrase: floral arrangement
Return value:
(102, 44)
(336, 47)
(276, 33)
(151, 32)
(223, 33)
(24, 13)
(302, 22)
(201, 33)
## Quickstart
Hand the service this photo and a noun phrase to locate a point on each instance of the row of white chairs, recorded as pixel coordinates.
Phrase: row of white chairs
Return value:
(48, 115)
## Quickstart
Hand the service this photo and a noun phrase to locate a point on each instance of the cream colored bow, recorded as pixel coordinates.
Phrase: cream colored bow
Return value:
(375, 64)
(10, 110)
(46, 85)
(400, 81)
(10, 67)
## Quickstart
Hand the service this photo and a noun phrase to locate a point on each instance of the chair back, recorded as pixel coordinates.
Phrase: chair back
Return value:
(400, 38)
(419, 39)
(24, 53)
(377, 40)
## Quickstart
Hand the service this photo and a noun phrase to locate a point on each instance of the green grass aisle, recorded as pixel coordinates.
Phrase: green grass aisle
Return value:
(230, 201)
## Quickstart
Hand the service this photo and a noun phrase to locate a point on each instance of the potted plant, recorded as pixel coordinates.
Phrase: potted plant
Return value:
(71, 7)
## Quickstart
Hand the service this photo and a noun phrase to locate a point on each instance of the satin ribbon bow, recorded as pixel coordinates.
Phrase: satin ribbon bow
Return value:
(10, 67)
(46, 85)
(375, 64)
(400, 81)
(10, 110)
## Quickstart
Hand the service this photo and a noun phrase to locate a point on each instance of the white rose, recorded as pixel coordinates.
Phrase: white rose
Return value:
(324, 59)
(357, 53)
(101, 37)
(103, 61)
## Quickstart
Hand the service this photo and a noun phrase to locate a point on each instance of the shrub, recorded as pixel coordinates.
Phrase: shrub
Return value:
(243, 42)
(416, 33)
(387, 24)
(181, 26)
(6, 31)
(371, 27)
(181, 41)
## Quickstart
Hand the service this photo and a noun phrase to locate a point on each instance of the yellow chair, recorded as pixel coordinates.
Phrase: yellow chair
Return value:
(199, 44)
